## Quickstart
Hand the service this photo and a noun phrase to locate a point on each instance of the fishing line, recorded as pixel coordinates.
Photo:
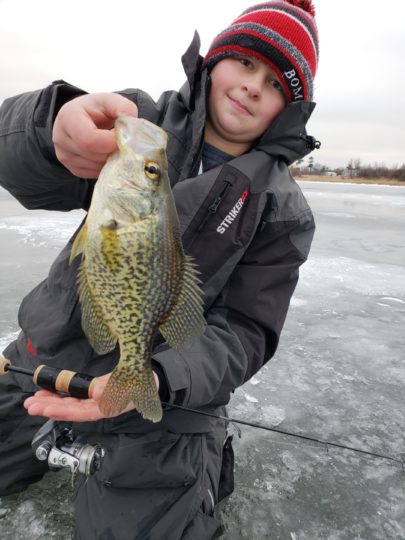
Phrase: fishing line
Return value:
(288, 433)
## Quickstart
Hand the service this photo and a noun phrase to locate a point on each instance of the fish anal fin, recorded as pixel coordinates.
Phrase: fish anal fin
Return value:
(185, 321)
(94, 323)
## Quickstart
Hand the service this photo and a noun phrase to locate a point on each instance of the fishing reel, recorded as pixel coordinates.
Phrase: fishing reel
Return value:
(56, 443)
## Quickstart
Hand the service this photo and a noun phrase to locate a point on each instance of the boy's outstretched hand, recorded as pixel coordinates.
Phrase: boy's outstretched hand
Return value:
(82, 131)
(69, 409)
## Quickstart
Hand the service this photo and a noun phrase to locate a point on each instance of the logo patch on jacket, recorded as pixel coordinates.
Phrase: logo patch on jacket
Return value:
(230, 218)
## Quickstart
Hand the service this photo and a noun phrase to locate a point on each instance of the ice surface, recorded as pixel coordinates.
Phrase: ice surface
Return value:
(338, 375)
(42, 229)
(342, 275)
(272, 415)
(5, 339)
(250, 398)
(389, 299)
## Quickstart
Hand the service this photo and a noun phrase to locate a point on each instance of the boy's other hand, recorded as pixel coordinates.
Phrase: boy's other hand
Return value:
(83, 134)
(70, 409)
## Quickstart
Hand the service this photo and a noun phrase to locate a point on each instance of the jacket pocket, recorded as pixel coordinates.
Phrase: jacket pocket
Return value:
(203, 527)
(153, 460)
(226, 481)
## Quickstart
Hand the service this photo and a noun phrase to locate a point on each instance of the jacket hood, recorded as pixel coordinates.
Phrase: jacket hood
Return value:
(286, 138)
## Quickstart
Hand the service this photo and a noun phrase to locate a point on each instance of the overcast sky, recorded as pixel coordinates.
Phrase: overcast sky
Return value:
(106, 45)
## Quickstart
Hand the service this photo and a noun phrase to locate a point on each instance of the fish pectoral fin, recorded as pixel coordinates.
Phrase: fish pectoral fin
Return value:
(128, 384)
(79, 243)
(110, 247)
(185, 322)
(94, 323)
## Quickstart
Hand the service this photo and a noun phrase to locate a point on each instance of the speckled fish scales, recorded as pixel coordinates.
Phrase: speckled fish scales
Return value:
(134, 278)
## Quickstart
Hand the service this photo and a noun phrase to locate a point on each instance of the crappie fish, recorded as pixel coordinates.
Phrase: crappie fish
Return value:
(134, 278)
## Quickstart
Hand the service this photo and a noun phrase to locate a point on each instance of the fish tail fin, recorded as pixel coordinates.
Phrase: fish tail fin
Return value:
(126, 385)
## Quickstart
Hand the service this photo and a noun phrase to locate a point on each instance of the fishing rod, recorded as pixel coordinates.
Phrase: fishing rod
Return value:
(81, 386)
(289, 433)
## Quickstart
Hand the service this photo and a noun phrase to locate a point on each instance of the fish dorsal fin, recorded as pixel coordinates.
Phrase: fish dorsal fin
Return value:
(79, 243)
(185, 322)
(94, 322)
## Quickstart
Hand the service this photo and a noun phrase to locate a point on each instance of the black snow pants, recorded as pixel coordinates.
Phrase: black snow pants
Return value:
(152, 486)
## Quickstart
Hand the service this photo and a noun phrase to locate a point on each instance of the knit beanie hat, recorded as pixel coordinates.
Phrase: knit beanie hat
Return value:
(281, 33)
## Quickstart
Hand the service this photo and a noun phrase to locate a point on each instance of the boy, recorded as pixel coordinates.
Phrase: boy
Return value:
(233, 128)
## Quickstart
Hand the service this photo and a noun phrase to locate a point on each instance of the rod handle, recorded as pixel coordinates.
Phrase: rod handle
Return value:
(63, 380)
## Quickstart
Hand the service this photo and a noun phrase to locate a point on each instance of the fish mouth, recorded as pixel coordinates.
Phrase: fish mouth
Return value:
(140, 134)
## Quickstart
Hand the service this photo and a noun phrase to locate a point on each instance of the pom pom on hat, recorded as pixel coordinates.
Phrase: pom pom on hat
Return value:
(281, 33)
(306, 5)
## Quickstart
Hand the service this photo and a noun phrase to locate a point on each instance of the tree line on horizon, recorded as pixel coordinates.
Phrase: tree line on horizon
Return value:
(353, 169)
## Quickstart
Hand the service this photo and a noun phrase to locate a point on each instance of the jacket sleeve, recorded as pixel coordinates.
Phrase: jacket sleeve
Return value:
(244, 324)
(29, 169)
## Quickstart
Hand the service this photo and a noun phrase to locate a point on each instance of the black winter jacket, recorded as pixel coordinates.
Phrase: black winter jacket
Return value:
(246, 223)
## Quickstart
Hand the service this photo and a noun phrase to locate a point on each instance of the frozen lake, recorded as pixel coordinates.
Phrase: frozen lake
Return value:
(339, 376)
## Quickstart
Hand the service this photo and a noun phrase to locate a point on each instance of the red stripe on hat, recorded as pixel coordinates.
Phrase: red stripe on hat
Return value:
(289, 28)
(286, 6)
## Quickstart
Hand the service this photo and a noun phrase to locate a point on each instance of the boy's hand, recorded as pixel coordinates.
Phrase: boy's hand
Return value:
(82, 132)
(69, 409)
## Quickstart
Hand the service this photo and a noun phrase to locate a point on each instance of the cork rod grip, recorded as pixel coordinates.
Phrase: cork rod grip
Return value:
(4, 363)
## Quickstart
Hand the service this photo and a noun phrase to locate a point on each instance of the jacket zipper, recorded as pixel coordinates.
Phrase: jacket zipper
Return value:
(213, 207)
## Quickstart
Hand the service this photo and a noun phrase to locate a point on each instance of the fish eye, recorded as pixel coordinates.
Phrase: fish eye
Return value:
(152, 170)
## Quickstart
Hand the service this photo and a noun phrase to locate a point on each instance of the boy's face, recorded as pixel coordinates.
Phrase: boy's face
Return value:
(245, 97)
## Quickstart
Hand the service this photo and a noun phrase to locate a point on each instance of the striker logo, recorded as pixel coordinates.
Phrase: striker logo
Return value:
(233, 213)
